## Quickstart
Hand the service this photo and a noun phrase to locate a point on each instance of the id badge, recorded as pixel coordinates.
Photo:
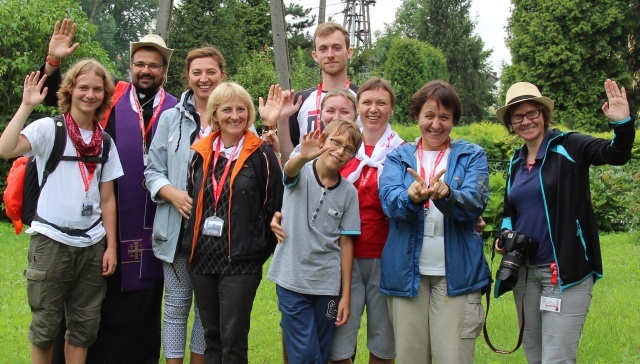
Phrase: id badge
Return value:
(550, 304)
(87, 208)
(430, 226)
(145, 156)
(213, 226)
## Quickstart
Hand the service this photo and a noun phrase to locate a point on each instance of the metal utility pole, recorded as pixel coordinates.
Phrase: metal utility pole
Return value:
(321, 11)
(280, 48)
(358, 21)
(164, 18)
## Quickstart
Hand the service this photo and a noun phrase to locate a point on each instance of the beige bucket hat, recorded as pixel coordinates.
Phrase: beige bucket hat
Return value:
(155, 41)
(523, 91)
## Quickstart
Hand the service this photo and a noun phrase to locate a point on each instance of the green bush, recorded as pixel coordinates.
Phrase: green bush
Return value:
(411, 64)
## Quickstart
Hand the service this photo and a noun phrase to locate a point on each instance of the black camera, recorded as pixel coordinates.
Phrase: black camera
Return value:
(517, 249)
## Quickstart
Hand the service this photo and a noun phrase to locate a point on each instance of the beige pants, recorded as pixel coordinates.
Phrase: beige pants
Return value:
(435, 327)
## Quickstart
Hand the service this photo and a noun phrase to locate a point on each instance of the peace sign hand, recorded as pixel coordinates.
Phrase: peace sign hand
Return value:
(437, 188)
(418, 191)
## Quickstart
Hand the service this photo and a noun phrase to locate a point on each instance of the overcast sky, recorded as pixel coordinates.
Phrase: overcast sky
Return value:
(491, 16)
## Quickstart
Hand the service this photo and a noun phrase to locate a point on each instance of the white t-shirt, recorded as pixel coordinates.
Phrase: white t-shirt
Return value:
(431, 261)
(63, 196)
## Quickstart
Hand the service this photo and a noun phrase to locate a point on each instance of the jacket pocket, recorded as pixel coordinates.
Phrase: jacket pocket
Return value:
(35, 286)
(473, 316)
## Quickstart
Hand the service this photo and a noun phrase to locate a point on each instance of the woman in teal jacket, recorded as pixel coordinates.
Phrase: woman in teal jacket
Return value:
(433, 265)
(547, 199)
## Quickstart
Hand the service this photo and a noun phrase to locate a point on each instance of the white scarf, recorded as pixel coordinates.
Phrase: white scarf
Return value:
(390, 140)
(228, 151)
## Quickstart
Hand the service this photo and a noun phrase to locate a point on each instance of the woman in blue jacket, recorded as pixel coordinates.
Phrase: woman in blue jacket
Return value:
(547, 199)
(433, 266)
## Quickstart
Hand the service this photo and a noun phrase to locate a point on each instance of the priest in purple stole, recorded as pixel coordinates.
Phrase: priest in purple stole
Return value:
(131, 311)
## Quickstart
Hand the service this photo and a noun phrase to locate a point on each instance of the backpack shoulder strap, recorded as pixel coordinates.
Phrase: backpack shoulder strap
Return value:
(59, 143)
(118, 92)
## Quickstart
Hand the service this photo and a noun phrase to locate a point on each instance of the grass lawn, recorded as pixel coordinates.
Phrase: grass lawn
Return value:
(611, 333)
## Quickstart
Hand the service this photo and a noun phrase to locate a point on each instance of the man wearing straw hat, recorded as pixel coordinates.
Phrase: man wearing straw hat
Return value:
(131, 311)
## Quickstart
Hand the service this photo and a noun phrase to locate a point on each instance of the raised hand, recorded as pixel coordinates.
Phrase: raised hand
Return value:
(312, 145)
(60, 44)
(33, 93)
(290, 105)
(437, 188)
(616, 107)
(270, 111)
(419, 190)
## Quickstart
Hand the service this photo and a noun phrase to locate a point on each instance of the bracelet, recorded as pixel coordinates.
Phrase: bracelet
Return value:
(52, 63)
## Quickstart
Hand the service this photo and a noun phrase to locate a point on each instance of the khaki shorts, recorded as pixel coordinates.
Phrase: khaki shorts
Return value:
(63, 278)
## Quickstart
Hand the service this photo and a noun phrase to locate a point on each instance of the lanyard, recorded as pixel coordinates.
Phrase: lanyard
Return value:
(217, 186)
(83, 174)
(156, 112)
(435, 165)
(319, 102)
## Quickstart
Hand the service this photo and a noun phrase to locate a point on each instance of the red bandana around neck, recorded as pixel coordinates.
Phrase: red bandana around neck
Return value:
(85, 150)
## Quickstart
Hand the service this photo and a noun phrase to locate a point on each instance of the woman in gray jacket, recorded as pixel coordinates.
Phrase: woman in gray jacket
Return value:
(166, 179)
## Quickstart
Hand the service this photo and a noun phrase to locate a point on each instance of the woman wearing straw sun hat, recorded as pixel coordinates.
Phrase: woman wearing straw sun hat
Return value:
(548, 200)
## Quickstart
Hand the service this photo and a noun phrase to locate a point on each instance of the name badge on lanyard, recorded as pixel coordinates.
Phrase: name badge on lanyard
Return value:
(145, 131)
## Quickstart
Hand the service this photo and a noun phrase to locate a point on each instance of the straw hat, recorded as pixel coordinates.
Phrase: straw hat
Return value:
(155, 41)
(523, 91)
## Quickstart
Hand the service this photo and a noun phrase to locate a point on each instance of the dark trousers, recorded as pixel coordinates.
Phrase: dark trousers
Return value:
(225, 303)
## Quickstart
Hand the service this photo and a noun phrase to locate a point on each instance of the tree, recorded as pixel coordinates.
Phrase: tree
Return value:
(299, 21)
(411, 64)
(256, 75)
(120, 22)
(568, 49)
(446, 25)
(235, 27)
(26, 31)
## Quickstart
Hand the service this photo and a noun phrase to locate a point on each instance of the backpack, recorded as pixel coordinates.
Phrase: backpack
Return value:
(23, 190)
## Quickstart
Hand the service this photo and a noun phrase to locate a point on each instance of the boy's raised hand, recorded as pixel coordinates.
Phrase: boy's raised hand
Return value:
(33, 93)
(312, 145)
(60, 44)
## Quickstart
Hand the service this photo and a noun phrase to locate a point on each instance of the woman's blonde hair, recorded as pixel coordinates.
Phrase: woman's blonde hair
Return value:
(80, 68)
(341, 92)
(224, 92)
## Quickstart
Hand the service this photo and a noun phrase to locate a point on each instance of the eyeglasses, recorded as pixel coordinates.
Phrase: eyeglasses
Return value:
(152, 66)
(346, 150)
(518, 118)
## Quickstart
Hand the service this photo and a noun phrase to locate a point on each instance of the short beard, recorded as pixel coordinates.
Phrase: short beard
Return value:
(148, 90)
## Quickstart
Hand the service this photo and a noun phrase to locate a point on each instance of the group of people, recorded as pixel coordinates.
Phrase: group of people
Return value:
(192, 202)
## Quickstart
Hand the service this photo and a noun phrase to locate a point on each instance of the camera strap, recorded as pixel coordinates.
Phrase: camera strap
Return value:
(485, 333)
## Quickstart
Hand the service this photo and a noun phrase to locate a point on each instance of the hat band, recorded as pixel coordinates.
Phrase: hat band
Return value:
(521, 98)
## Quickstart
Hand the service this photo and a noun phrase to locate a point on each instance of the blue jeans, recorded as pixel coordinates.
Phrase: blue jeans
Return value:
(551, 337)
(308, 323)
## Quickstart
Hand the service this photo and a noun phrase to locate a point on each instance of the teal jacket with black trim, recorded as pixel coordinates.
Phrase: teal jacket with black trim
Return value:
(564, 181)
